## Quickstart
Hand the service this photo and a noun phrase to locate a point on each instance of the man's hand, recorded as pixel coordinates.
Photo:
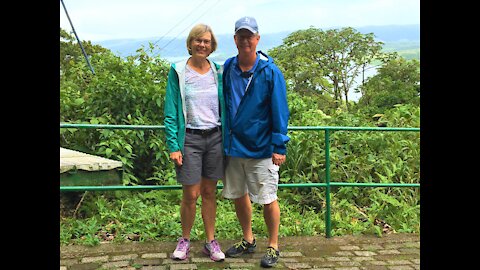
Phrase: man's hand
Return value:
(278, 159)
(176, 157)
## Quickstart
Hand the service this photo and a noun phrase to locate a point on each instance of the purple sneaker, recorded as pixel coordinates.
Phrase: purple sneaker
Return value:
(182, 250)
(213, 250)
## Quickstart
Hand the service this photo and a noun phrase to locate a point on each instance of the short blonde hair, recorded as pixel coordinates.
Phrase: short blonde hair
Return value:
(197, 31)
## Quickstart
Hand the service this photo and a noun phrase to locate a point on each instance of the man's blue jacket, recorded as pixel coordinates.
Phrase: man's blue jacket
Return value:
(259, 127)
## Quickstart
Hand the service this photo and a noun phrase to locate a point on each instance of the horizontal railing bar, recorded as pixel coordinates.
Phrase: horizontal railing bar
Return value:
(103, 126)
(299, 185)
(169, 187)
(107, 126)
(352, 128)
(344, 184)
(97, 188)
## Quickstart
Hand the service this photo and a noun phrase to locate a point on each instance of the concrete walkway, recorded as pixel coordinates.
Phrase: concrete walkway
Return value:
(390, 252)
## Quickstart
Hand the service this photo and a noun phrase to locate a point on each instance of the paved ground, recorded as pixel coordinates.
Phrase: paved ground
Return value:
(390, 252)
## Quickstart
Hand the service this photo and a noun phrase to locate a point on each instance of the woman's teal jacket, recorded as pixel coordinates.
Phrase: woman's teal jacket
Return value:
(175, 111)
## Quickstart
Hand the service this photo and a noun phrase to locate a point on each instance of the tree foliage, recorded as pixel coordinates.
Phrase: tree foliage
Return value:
(397, 82)
(123, 91)
(328, 61)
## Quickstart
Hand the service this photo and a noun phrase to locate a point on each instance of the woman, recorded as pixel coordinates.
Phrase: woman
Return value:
(194, 109)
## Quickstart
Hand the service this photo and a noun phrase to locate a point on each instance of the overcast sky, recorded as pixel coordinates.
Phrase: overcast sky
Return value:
(97, 20)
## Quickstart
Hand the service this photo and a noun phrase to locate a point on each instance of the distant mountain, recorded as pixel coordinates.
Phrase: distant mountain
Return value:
(393, 33)
(174, 49)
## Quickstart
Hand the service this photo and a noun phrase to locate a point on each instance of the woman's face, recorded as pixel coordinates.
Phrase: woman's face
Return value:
(202, 46)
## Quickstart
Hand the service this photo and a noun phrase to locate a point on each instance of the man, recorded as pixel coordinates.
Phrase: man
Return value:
(255, 137)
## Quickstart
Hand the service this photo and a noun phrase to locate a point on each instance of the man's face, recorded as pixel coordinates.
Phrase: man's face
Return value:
(246, 41)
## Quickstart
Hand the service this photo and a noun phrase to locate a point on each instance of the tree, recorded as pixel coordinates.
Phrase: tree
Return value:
(70, 51)
(397, 82)
(134, 85)
(299, 58)
(326, 61)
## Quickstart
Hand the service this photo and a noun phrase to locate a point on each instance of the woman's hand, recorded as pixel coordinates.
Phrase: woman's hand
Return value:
(176, 157)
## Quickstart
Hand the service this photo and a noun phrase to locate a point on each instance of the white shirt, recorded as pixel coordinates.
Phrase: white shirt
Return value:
(201, 100)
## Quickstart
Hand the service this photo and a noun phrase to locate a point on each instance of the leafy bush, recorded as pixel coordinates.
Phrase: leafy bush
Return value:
(123, 92)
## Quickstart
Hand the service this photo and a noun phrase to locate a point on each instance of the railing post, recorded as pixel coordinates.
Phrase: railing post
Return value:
(327, 180)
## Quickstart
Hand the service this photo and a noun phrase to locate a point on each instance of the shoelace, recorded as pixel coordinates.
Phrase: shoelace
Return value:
(242, 244)
(271, 252)
(182, 245)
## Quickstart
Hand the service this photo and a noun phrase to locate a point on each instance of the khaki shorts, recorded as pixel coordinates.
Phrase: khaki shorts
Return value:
(257, 177)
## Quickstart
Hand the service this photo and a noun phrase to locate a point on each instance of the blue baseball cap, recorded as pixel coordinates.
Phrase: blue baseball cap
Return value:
(248, 23)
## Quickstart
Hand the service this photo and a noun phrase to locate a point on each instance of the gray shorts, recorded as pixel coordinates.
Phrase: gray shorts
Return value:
(202, 156)
(257, 177)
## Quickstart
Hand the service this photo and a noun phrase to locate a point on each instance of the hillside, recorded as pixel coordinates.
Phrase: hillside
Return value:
(404, 39)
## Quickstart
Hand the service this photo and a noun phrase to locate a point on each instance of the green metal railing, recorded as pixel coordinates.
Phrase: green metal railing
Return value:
(328, 184)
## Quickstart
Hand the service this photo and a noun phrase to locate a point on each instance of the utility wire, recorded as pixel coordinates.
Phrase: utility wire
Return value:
(79, 42)
(190, 25)
(188, 15)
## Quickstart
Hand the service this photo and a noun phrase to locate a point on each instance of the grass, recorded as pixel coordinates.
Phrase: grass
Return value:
(122, 216)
